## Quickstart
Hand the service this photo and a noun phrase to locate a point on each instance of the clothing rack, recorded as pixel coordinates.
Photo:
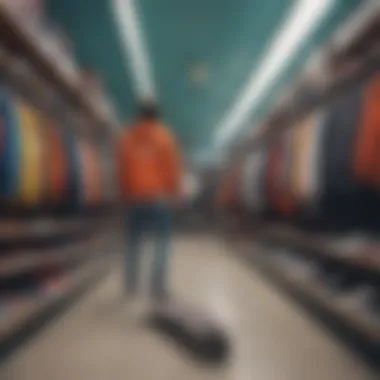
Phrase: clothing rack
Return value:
(287, 253)
(22, 43)
(48, 256)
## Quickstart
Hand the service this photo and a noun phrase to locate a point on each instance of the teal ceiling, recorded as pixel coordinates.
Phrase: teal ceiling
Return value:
(91, 27)
(229, 36)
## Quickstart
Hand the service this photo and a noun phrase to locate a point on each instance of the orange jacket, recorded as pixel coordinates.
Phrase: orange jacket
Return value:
(90, 173)
(227, 193)
(149, 165)
(228, 197)
(367, 143)
(57, 168)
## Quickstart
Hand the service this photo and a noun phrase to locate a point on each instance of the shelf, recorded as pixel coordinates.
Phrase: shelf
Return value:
(19, 40)
(36, 229)
(40, 229)
(358, 320)
(363, 255)
(30, 309)
(18, 263)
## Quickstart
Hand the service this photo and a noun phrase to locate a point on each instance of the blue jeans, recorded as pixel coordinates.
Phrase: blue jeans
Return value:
(155, 219)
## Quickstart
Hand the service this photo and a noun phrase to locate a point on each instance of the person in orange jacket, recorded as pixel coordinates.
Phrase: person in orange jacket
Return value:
(150, 177)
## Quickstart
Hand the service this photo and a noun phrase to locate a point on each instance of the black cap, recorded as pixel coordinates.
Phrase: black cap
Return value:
(148, 111)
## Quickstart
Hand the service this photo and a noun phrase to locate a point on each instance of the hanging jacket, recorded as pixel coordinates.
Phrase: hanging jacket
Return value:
(57, 165)
(259, 194)
(367, 148)
(301, 158)
(341, 199)
(89, 173)
(149, 164)
(285, 196)
(31, 175)
(10, 157)
(75, 193)
(252, 191)
(313, 166)
(273, 172)
(341, 134)
(228, 193)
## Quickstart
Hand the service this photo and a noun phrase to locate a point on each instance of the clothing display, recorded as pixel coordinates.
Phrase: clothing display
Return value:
(52, 128)
(324, 170)
(319, 236)
(43, 164)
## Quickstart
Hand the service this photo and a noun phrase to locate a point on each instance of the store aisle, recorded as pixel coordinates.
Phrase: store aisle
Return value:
(100, 339)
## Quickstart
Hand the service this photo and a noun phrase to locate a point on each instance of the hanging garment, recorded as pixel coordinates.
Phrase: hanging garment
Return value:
(31, 173)
(75, 196)
(367, 148)
(303, 137)
(57, 165)
(108, 173)
(247, 181)
(10, 157)
(275, 153)
(342, 122)
(90, 177)
(259, 181)
(313, 166)
(252, 185)
(340, 197)
(94, 177)
(299, 137)
(228, 194)
(285, 196)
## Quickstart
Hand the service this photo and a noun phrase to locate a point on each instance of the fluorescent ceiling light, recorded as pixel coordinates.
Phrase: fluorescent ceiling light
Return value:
(133, 47)
(304, 18)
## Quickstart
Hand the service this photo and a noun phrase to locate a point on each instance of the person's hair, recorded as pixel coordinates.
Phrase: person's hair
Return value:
(148, 111)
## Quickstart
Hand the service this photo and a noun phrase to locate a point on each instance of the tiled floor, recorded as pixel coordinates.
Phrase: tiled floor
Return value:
(100, 339)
